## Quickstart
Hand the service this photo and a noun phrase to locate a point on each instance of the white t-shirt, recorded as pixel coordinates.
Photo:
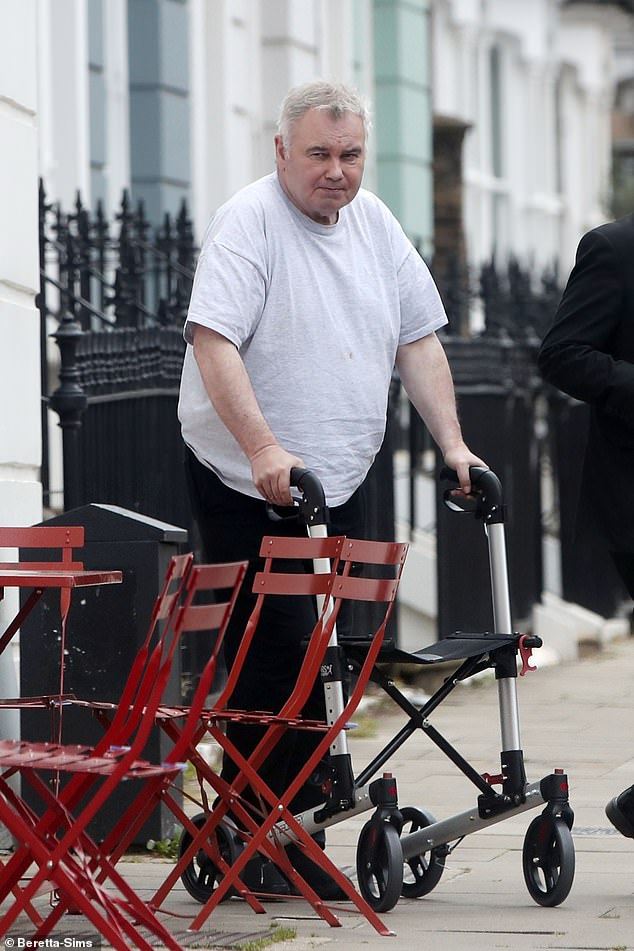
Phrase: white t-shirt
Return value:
(317, 313)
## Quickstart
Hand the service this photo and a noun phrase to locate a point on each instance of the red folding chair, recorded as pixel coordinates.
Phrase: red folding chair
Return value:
(54, 836)
(188, 726)
(195, 614)
(276, 826)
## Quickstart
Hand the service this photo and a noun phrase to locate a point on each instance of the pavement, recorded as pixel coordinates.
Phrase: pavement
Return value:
(577, 716)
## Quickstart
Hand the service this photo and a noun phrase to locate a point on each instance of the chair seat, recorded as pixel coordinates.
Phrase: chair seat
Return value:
(74, 758)
(44, 701)
(248, 717)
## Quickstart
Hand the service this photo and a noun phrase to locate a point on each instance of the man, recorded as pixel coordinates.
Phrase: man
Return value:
(306, 295)
(588, 352)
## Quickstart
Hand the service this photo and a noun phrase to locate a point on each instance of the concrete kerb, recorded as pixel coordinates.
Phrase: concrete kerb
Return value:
(567, 629)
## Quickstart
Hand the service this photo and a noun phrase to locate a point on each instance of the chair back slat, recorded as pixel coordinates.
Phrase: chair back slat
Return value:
(291, 583)
(365, 589)
(205, 617)
(302, 546)
(42, 565)
(42, 536)
(62, 538)
(374, 552)
(217, 576)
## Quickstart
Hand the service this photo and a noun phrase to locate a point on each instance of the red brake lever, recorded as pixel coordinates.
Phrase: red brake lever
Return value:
(526, 652)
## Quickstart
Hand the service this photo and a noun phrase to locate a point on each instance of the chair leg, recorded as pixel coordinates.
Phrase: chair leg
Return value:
(257, 839)
(72, 879)
(281, 811)
(29, 908)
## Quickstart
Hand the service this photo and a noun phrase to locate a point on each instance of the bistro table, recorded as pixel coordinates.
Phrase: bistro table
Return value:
(39, 579)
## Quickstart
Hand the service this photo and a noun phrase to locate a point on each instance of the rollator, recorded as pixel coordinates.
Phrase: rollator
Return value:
(402, 851)
(548, 857)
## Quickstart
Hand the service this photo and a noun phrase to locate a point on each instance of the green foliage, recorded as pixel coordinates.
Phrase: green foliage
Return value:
(279, 934)
(165, 848)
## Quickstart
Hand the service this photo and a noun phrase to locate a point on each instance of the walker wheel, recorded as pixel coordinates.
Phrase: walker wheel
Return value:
(421, 873)
(380, 865)
(548, 860)
(201, 876)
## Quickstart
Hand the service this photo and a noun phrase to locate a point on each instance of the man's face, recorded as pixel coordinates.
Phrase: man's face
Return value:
(321, 170)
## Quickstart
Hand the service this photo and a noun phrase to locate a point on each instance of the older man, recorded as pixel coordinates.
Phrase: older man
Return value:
(307, 294)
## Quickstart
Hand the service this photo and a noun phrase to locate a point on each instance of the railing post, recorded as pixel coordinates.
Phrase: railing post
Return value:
(41, 304)
(69, 402)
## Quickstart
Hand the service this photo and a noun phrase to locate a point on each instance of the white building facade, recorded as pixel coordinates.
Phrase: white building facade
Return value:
(535, 83)
(20, 389)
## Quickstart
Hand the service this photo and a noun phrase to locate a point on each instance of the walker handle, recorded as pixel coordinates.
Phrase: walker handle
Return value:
(312, 505)
(487, 488)
(310, 509)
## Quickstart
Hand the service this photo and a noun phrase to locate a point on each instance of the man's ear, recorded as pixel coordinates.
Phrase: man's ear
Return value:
(280, 151)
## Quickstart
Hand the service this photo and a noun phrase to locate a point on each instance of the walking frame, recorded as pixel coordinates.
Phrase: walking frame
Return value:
(548, 857)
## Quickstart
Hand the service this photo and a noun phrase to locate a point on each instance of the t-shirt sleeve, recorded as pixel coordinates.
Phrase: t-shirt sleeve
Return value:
(422, 310)
(228, 294)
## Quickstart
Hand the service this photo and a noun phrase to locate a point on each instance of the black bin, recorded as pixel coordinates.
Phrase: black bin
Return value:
(105, 628)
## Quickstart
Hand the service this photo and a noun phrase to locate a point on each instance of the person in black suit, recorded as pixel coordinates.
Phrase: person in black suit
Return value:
(588, 352)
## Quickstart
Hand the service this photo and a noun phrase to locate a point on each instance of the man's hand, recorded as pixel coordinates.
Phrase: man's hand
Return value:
(271, 471)
(461, 458)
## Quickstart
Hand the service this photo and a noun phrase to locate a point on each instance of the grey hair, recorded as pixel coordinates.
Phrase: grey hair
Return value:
(336, 99)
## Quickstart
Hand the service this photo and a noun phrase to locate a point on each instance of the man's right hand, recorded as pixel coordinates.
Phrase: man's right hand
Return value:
(271, 471)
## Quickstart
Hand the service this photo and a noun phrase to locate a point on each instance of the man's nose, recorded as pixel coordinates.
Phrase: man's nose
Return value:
(334, 169)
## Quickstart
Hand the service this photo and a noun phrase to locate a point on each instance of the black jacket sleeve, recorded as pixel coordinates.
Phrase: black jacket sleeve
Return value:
(580, 352)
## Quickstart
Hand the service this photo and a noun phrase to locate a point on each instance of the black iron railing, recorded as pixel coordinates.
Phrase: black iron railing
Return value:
(113, 296)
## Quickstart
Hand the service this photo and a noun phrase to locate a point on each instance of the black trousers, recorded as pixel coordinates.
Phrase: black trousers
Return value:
(231, 527)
